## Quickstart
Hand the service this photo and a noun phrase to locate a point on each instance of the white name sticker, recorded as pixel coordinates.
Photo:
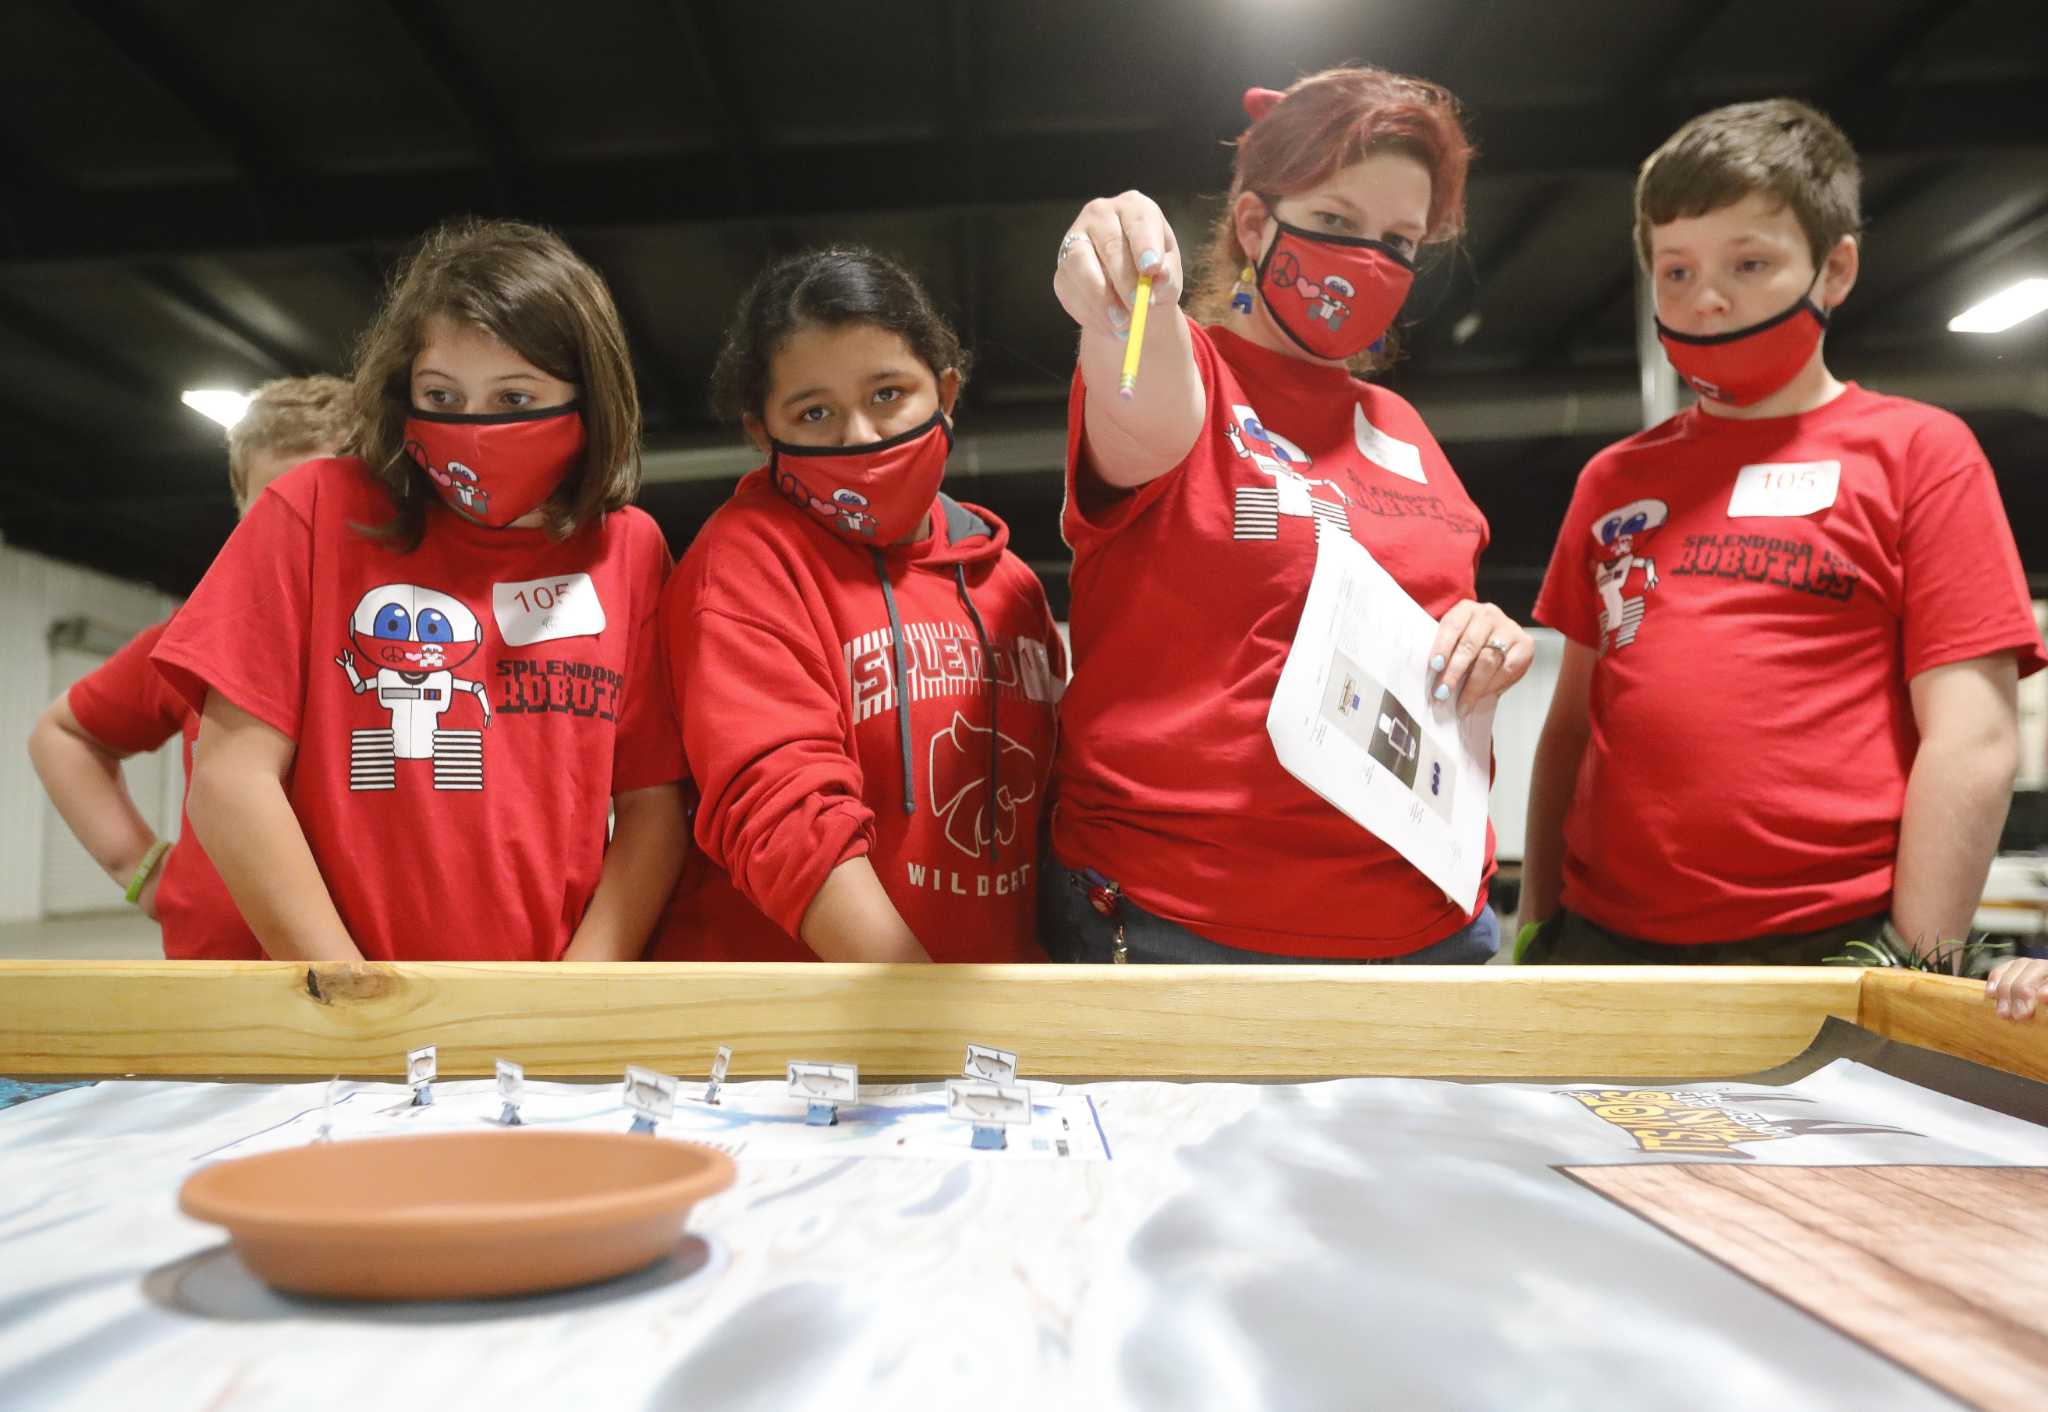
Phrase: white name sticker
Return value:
(1389, 453)
(541, 610)
(1782, 490)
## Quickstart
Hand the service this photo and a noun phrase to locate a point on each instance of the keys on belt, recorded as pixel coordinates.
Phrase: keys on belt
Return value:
(1107, 898)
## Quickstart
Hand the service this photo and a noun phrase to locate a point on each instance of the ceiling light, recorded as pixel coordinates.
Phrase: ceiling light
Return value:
(2003, 309)
(1464, 328)
(223, 406)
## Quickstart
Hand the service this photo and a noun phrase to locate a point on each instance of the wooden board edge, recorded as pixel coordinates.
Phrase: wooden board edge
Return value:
(276, 1018)
(1953, 1016)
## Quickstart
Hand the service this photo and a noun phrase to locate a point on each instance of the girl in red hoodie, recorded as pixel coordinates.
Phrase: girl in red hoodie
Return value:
(865, 675)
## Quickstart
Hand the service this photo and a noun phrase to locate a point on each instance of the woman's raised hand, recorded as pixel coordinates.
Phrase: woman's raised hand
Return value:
(1113, 241)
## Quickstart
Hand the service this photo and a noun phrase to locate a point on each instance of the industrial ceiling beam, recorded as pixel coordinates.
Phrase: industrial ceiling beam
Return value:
(261, 167)
(185, 301)
(467, 91)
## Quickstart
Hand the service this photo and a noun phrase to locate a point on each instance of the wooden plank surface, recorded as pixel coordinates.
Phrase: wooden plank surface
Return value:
(1952, 1015)
(1943, 1269)
(202, 1018)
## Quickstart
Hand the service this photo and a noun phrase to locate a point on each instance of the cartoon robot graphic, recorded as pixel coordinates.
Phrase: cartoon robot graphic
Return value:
(976, 823)
(456, 478)
(1325, 299)
(1330, 306)
(850, 507)
(1617, 535)
(412, 639)
(1258, 509)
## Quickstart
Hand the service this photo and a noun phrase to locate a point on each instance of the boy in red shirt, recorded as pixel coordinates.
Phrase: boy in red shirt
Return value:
(1794, 613)
(125, 708)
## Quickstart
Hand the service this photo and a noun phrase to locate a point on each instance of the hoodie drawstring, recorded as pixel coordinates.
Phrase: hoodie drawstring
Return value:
(902, 679)
(995, 738)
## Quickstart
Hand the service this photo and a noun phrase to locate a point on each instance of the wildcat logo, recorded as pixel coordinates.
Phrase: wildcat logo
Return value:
(961, 784)
(1704, 1120)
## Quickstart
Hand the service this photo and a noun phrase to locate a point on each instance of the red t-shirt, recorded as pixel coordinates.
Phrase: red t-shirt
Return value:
(1186, 596)
(128, 707)
(780, 645)
(444, 831)
(1751, 726)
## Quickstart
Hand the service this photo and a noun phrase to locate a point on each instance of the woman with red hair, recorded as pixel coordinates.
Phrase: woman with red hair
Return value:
(1193, 507)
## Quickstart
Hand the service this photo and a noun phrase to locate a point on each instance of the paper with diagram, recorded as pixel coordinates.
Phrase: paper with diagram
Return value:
(1352, 719)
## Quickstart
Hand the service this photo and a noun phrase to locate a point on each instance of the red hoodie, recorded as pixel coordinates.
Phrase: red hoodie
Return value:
(787, 685)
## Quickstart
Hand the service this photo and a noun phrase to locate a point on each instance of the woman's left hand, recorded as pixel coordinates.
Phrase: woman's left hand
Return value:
(1479, 653)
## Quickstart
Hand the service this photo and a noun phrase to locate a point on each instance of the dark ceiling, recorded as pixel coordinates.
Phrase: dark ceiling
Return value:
(209, 194)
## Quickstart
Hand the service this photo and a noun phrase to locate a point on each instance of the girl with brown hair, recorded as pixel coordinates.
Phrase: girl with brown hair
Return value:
(428, 670)
(1193, 508)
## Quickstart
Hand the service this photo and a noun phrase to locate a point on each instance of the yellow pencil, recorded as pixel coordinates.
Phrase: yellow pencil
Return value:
(1129, 383)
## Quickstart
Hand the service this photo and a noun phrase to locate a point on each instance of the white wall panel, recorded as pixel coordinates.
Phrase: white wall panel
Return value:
(34, 593)
(1516, 727)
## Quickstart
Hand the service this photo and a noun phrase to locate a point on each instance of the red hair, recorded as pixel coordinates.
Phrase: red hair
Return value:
(1301, 138)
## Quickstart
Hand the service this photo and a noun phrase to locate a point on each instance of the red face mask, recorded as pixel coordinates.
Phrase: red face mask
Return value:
(494, 468)
(1334, 295)
(1750, 364)
(874, 494)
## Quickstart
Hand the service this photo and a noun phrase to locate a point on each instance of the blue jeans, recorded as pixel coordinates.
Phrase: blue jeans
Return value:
(1071, 930)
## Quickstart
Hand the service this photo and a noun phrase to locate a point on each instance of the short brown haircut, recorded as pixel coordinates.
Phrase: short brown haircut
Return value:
(526, 287)
(286, 417)
(1779, 146)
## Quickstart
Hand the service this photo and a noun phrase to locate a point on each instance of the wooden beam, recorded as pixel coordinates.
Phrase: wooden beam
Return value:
(195, 1018)
(1951, 1015)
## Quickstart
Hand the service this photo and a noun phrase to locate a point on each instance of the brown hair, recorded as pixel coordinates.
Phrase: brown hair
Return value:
(1324, 123)
(832, 287)
(289, 416)
(1780, 147)
(525, 286)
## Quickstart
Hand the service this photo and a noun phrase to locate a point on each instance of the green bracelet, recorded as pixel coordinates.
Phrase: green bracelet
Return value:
(150, 859)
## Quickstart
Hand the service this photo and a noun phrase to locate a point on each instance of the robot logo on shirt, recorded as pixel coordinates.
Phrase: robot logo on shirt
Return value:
(960, 761)
(1259, 509)
(1617, 535)
(413, 638)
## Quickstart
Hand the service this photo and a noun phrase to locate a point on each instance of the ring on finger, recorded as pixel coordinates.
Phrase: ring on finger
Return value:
(1067, 243)
(1494, 644)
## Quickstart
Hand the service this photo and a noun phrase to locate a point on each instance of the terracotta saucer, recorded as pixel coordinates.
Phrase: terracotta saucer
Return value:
(456, 1215)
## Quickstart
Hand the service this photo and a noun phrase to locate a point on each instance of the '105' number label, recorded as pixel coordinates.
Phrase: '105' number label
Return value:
(541, 610)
